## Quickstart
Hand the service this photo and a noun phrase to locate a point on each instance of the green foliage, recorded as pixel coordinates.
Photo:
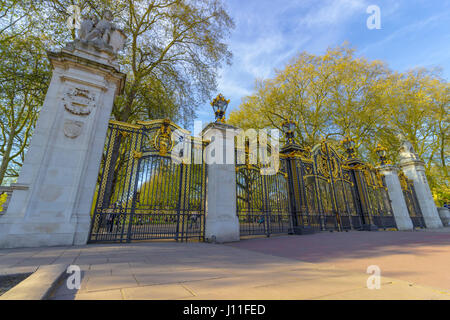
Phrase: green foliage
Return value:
(174, 49)
(3, 198)
(338, 94)
(24, 78)
(173, 52)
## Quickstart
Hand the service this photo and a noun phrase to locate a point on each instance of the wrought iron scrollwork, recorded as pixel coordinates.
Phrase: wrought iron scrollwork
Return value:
(143, 192)
(325, 192)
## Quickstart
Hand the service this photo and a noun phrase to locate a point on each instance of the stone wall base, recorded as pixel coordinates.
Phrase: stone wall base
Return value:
(444, 214)
(404, 223)
(433, 222)
(36, 240)
(28, 233)
(221, 231)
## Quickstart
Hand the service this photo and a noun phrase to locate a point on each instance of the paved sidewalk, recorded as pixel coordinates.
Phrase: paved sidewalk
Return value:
(245, 270)
(418, 257)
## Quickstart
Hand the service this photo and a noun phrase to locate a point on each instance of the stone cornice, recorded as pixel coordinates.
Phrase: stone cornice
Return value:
(409, 162)
(218, 126)
(63, 58)
(388, 167)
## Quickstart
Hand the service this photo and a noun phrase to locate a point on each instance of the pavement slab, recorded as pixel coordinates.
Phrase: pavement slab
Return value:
(414, 265)
(158, 292)
(418, 257)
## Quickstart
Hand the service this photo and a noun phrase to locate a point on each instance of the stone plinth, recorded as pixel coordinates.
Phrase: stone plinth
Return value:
(444, 214)
(222, 223)
(398, 204)
(414, 169)
(60, 170)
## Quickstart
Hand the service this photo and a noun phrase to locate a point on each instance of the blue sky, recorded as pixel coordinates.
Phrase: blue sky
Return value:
(269, 33)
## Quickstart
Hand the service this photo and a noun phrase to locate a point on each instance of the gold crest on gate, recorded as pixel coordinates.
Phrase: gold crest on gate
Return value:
(163, 139)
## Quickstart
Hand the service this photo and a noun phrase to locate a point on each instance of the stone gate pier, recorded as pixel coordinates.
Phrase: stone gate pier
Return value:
(222, 223)
(52, 203)
(398, 203)
(414, 169)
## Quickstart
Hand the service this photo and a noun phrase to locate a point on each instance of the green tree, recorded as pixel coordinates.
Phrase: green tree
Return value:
(173, 52)
(13, 19)
(338, 94)
(24, 77)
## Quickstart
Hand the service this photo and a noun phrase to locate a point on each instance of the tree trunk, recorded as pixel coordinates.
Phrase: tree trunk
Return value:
(6, 158)
(444, 165)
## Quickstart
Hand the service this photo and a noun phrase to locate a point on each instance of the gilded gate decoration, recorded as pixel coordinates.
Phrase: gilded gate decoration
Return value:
(262, 200)
(162, 140)
(331, 184)
(316, 190)
(327, 191)
(152, 184)
(375, 204)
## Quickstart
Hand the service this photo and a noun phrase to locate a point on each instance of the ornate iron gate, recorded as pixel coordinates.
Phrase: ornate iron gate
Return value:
(152, 184)
(375, 204)
(262, 199)
(323, 191)
(335, 189)
(412, 203)
(316, 190)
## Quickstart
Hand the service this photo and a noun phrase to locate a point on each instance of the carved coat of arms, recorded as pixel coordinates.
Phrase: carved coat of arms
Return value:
(79, 101)
(72, 129)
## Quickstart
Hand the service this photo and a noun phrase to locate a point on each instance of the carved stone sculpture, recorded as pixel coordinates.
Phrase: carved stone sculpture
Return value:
(407, 150)
(102, 33)
(86, 27)
(102, 30)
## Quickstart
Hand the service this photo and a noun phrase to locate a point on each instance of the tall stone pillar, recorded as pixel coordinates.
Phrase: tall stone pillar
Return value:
(414, 169)
(398, 203)
(222, 223)
(58, 178)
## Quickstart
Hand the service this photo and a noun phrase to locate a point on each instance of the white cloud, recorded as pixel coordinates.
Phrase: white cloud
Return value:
(334, 12)
(269, 33)
(407, 30)
(232, 88)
